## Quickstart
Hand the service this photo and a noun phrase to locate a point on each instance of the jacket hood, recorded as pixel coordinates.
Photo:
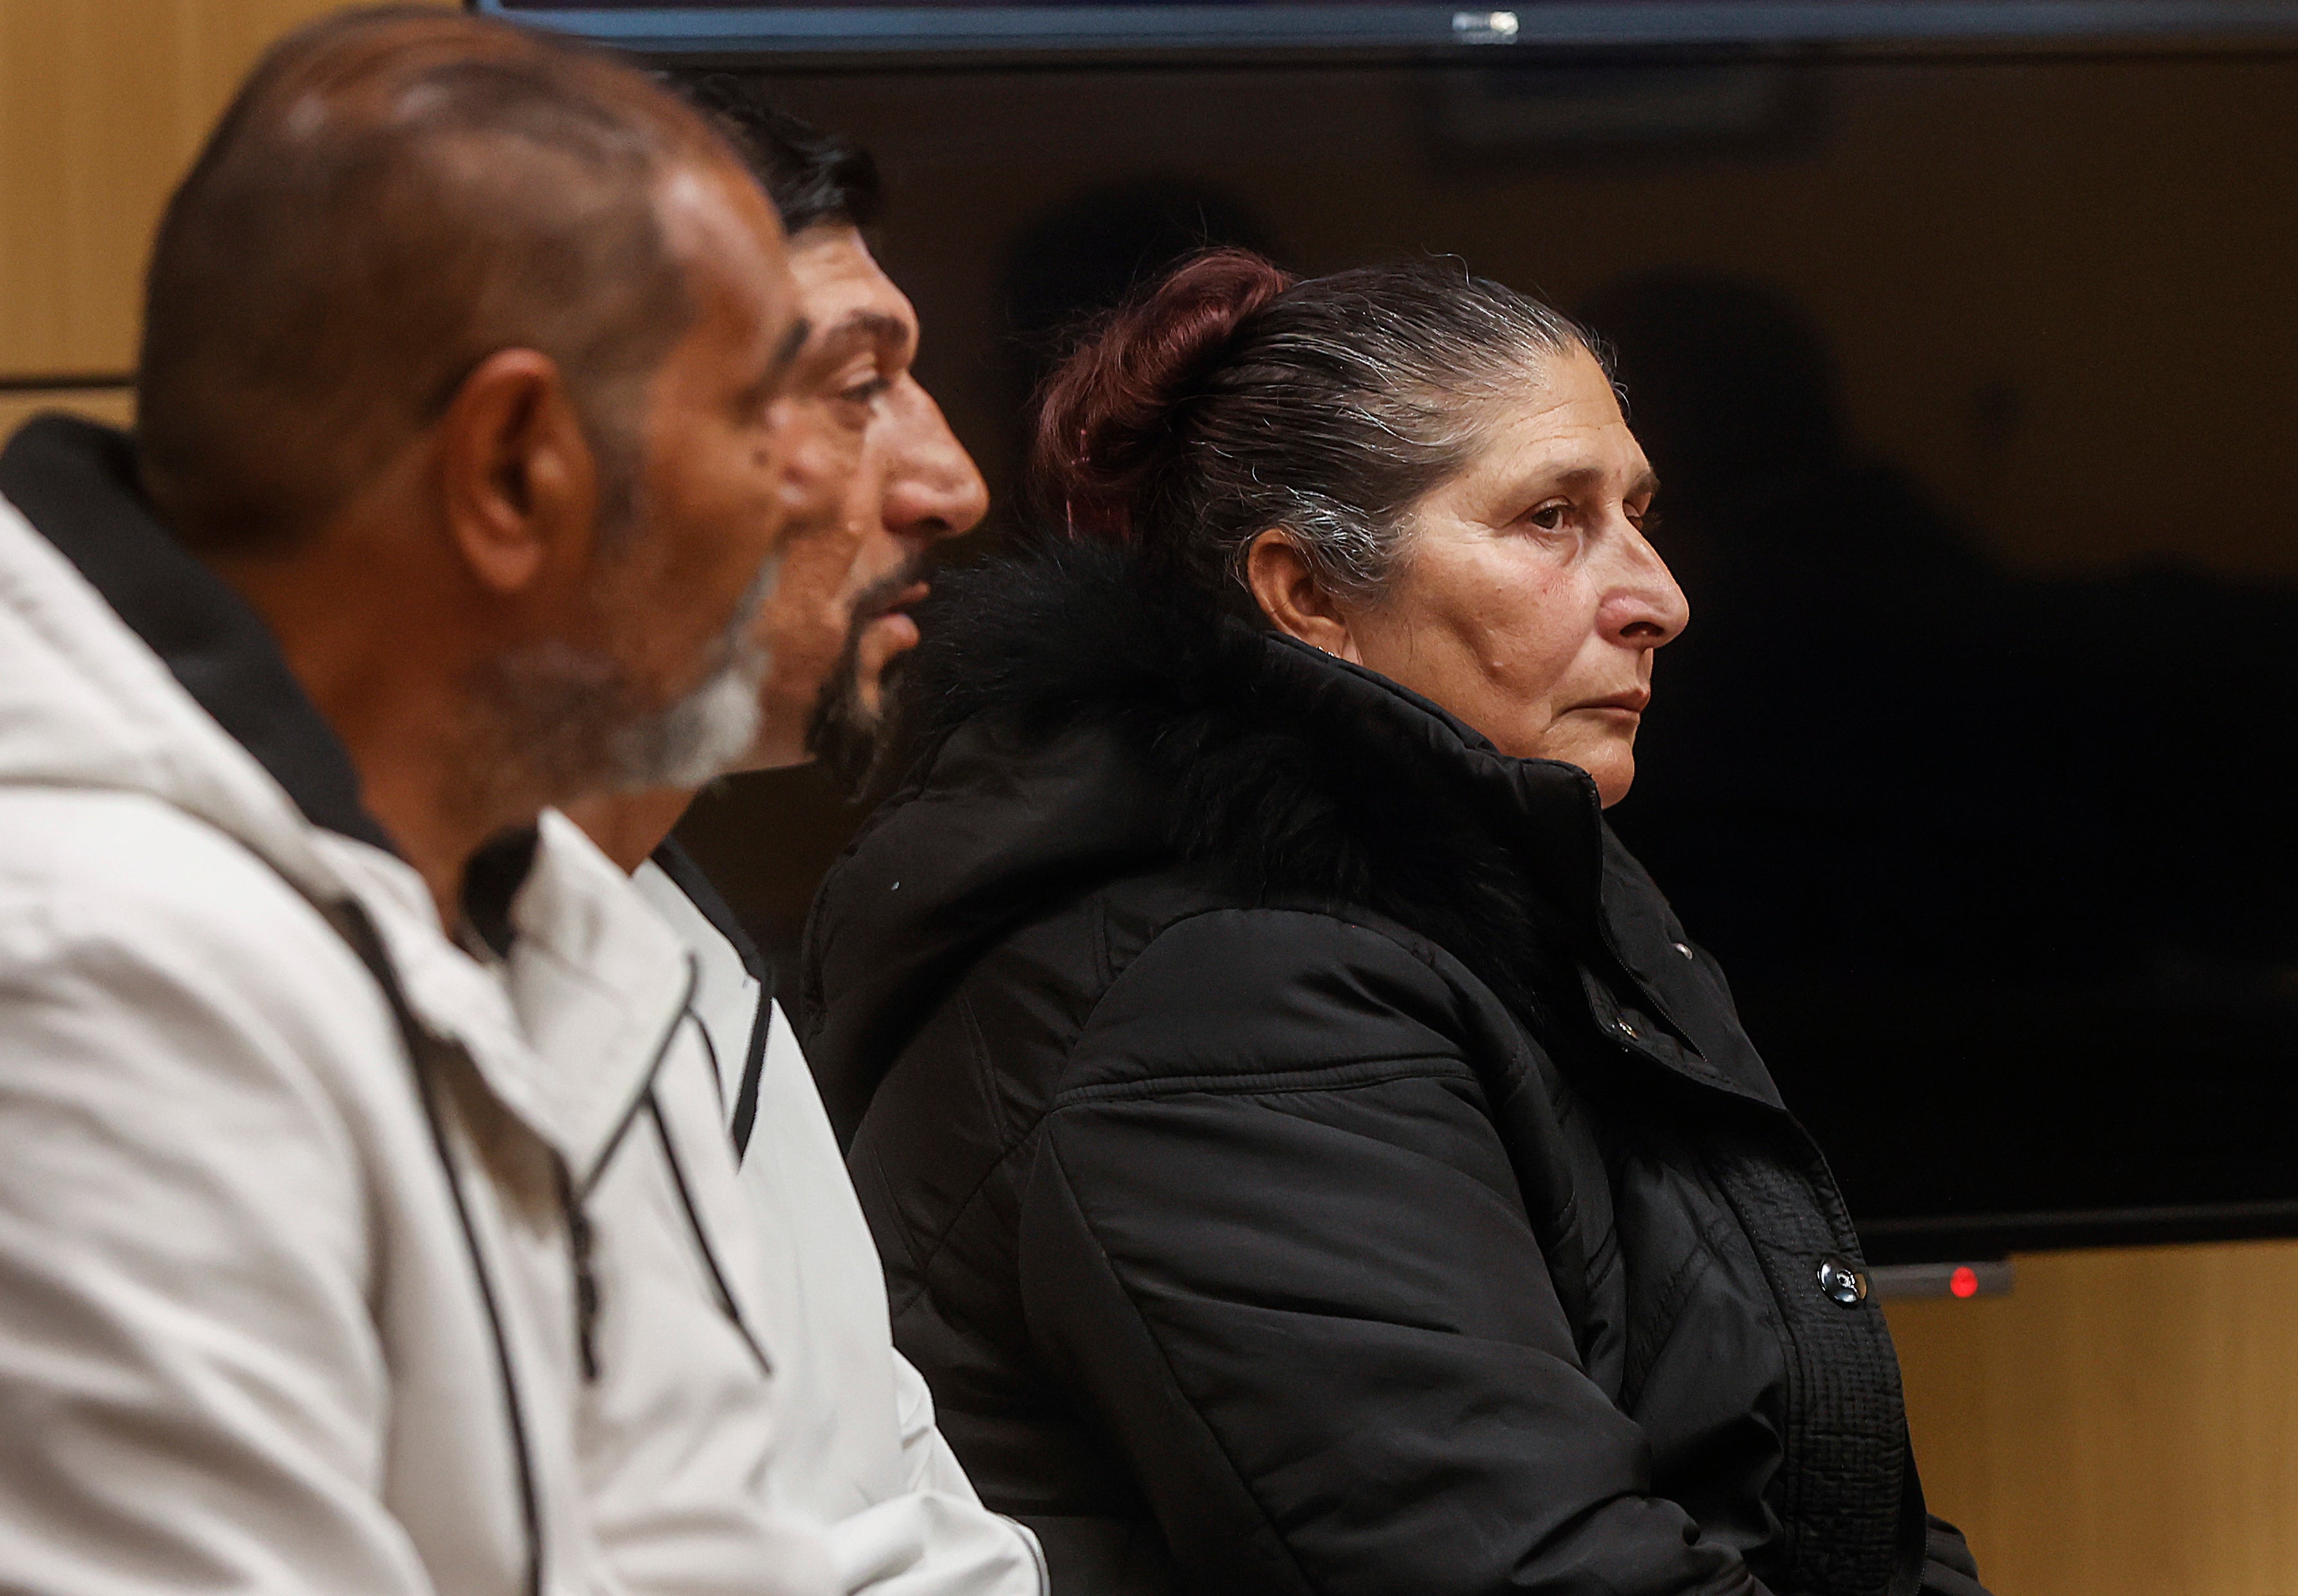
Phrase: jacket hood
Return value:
(128, 666)
(1072, 716)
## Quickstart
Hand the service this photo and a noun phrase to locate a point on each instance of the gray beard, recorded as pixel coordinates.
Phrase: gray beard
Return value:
(702, 735)
(564, 715)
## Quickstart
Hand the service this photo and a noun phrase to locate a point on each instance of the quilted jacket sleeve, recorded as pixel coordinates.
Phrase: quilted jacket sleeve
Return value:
(1270, 1239)
(1948, 1567)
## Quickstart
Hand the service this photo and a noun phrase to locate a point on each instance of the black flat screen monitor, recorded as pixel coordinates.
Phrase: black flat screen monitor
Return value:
(1970, 375)
(730, 29)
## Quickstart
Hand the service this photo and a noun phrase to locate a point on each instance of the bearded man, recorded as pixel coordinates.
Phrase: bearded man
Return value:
(860, 1446)
(367, 1217)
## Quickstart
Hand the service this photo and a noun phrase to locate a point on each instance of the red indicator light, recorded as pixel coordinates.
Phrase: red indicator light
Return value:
(1964, 1281)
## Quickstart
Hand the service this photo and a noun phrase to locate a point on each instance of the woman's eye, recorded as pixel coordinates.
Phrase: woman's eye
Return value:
(1548, 518)
(866, 390)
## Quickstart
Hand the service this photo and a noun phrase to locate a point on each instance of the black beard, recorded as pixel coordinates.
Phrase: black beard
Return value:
(849, 740)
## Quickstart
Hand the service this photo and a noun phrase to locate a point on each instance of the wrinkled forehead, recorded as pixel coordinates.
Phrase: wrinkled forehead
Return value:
(1560, 421)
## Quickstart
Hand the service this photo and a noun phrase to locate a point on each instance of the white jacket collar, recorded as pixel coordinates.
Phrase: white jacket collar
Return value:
(85, 703)
(565, 1031)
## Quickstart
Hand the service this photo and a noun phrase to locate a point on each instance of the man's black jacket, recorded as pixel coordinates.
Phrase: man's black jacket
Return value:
(1307, 1154)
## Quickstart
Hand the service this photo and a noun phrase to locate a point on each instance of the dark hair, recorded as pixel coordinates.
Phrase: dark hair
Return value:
(1232, 399)
(816, 179)
(393, 195)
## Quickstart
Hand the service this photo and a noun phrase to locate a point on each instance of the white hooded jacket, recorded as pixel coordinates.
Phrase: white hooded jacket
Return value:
(859, 1449)
(282, 1308)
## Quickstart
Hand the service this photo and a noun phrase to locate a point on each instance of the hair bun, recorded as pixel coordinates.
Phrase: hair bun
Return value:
(1106, 414)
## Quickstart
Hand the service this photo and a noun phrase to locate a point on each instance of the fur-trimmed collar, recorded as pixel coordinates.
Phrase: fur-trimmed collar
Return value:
(1071, 720)
(1291, 774)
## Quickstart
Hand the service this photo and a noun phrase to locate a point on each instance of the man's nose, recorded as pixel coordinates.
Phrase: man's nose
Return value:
(933, 489)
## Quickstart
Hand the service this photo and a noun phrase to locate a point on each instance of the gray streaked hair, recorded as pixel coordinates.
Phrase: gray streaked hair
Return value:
(1232, 400)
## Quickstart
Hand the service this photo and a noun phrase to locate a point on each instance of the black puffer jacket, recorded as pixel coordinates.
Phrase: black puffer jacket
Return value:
(1309, 1156)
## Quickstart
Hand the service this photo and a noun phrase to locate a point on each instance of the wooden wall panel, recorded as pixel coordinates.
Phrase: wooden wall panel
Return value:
(115, 405)
(102, 103)
(2123, 1424)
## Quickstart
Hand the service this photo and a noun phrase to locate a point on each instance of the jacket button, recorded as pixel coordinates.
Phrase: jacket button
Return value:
(1842, 1283)
(1625, 1028)
(1682, 947)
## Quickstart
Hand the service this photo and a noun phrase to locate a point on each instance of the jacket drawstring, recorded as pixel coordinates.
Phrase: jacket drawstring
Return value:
(586, 1275)
(727, 1304)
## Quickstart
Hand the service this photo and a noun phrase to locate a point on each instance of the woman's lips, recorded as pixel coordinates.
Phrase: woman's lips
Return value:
(1621, 703)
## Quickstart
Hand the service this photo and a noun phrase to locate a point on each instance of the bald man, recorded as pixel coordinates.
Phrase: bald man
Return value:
(368, 1222)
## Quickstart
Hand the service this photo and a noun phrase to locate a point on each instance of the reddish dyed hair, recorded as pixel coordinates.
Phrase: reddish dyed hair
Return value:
(1232, 400)
(1104, 413)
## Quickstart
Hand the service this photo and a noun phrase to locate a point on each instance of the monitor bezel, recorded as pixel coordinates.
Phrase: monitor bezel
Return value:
(751, 34)
(1938, 1238)
(834, 37)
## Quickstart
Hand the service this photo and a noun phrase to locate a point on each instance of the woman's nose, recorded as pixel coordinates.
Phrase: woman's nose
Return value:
(933, 489)
(1644, 607)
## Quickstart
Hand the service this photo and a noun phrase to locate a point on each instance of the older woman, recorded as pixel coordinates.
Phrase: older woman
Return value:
(1307, 1152)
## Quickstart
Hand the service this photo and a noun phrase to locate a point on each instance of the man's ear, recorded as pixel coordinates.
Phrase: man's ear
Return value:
(520, 484)
(1289, 594)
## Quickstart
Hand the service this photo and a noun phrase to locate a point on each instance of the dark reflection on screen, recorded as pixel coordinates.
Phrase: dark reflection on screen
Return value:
(2001, 865)
(1968, 386)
